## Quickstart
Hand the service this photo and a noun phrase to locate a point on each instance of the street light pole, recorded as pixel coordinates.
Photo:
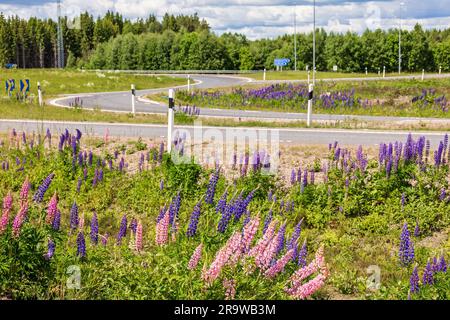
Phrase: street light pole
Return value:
(314, 42)
(400, 41)
(295, 38)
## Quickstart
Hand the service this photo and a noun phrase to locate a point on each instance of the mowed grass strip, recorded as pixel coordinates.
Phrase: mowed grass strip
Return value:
(55, 81)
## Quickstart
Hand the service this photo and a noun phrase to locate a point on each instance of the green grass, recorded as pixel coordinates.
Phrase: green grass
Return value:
(386, 98)
(303, 75)
(54, 81)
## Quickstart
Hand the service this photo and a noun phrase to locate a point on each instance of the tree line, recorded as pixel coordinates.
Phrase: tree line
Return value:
(185, 42)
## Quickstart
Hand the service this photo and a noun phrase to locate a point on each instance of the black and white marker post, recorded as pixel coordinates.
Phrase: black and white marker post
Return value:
(133, 98)
(310, 101)
(39, 94)
(170, 119)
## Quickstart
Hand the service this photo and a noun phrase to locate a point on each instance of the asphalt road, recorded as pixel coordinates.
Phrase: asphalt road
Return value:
(121, 101)
(284, 135)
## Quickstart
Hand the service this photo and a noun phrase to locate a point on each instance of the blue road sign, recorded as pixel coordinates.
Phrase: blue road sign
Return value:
(22, 85)
(27, 85)
(6, 85)
(281, 62)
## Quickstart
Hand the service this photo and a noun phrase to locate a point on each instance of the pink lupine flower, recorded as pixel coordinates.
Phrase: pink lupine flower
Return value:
(51, 209)
(264, 259)
(279, 265)
(309, 288)
(258, 249)
(195, 258)
(222, 257)
(139, 237)
(81, 222)
(7, 205)
(162, 228)
(249, 233)
(300, 291)
(7, 202)
(230, 289)
(18, 220)
(4, 220)
(24, 191)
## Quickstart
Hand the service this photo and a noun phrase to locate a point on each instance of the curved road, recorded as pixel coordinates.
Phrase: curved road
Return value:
(121, 101)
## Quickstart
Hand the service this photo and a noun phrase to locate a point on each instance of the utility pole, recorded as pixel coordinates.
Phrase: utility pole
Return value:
(400, 41)
(295, 37)
(314, 43)
(60, 40)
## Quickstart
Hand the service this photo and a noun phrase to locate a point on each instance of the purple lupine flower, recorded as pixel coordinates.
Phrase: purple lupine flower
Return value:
(90, 156)
(193, 222)
(161, 184)
(295, 235)
(221, 204)
(302, 255)
(39, 195)
(94, 228)
(74, 219)
(81, 245)
(414, 281)
(123, 229)
(435, 265)
(211, 191)
(133, 225)
(57, 220)
(79, 185)
(226, 216)
(74, 147)
(403, 200)
(79, 134)
(161, 152)
(162, 212)
(442, 195)
(442, 264)
(267, 221)
(100, 175)
(428, 275)
(406, 250)
(312, 177)
(293, 177)
(174, 208)
(247, 218)
(50, 249)
(269, 195)
(281, 238)
(85, 174)
(417, 230)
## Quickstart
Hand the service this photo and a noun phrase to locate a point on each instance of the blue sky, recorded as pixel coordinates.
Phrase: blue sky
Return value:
(259, 18)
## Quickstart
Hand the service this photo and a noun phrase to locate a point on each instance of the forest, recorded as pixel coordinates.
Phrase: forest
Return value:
(186, 42)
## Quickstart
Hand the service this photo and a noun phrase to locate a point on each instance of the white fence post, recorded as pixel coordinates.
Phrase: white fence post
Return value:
(189, 83)
(133, 96)
(264, 75)
(384, 71)
(39, 94)
(423, 74)
(310, 100)
(170, 119)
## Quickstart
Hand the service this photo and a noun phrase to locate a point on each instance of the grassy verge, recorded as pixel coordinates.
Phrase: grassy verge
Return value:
(15, 110)
(303, 75)
(54, 81)
(375, 98)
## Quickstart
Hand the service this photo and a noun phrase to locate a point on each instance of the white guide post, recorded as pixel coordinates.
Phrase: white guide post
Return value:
(310, 100)
(189, 82)
(133, 98)
(39, 94)
(423, 74)
(170, 119)
(384, 71)
(264, 75)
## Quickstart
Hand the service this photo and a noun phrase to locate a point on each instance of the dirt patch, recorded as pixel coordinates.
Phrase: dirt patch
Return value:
(436, 240)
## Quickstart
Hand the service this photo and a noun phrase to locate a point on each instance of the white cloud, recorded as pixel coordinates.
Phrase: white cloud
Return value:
(263, 18)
